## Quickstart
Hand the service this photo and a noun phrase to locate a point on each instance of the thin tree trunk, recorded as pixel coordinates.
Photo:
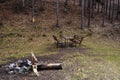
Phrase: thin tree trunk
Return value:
(95, 4)
(65, 5)
(98, 7)
(92, 13)
(41, 5)
(79, 2)
(118, 8)
(82, 16)
(103, 12)
(110, 9)
(106, 7)
(85, 6)
(23, 2)
(89, 14)
(33, 11)
(57, 13)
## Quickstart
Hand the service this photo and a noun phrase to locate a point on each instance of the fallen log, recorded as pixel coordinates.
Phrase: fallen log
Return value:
(51, 66)
(23, 66)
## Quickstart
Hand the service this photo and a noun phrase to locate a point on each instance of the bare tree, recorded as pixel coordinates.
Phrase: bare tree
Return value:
(65, 5)
(118, 9)
(98, 7)
(103, 14)
(112, 16)
(106, 9)
(57, 13)
(41, 5)
(89, 14)
(110, 9)
(33, 11)
(82, 16)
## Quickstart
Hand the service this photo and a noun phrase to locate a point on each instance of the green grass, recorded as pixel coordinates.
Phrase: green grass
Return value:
(15, 47)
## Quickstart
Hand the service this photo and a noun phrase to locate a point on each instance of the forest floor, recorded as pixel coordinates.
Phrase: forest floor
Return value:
(98, 58)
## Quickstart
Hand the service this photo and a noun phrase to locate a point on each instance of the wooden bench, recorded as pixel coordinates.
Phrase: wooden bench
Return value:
(77, 39)
(57, 41)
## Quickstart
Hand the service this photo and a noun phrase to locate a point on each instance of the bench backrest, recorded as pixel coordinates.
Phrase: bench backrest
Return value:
(81, 40)
(55, 38)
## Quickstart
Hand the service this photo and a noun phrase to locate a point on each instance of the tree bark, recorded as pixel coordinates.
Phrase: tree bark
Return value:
(57, 13)
(110, 9)
(65, 5)
(103, 14)
(98, 7)
(89, 14)
(33, 11)
(41, 5)
(53, 66)
(82, 16)
(92, 13)
(112, 17)
(118, 9)
(106, 7)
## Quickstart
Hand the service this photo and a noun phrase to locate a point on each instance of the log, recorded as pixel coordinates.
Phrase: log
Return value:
(51, 66)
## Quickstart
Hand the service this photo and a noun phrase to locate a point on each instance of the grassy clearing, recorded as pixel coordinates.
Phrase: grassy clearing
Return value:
(100, 61)
(100, 58)
(14, 47)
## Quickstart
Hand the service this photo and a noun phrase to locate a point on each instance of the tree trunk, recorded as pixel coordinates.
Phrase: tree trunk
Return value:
(92, 13)
(41, 5)
(57, 13)
(33, 11)
(65, 5)
(118, 9)
(89, 14)
(82, 16)
(103, 12)
(106, 7)
(112, 17)
(98, 7)
(110, 9)
(79, 2)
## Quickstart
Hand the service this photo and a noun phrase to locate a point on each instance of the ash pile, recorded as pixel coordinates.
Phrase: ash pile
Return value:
(19, 67)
